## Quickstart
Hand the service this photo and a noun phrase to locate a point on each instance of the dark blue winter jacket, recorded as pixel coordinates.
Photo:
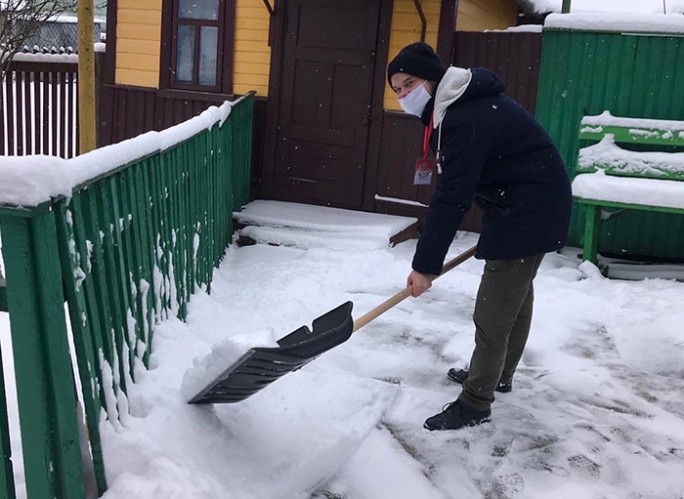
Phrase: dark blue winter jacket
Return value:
(496, 154)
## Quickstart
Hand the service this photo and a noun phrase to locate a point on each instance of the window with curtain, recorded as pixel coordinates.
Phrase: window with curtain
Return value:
(199, 49)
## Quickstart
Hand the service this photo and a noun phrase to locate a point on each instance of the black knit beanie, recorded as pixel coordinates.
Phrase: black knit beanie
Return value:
(417, 59)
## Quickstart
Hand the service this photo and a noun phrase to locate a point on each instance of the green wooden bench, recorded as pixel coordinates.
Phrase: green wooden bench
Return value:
(612, 177)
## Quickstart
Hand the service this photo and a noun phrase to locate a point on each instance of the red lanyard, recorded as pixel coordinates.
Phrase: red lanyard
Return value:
(426, 137)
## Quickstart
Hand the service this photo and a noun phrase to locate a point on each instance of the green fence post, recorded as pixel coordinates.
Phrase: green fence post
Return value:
(44, 378)
(7, 489)
(592, 228)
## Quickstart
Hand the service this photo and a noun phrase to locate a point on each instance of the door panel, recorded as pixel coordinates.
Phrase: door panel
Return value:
(325, 105)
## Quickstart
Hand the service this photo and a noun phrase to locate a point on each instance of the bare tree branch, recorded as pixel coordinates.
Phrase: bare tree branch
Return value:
(21, 19)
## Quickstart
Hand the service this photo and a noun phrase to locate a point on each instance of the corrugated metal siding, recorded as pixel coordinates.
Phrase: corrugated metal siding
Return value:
(585, 73)
(513, 56)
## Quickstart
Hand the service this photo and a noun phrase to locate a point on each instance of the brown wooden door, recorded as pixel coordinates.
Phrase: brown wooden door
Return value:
(325, 101)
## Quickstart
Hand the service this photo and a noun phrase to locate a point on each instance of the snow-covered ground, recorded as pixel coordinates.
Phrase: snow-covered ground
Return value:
(597, 408)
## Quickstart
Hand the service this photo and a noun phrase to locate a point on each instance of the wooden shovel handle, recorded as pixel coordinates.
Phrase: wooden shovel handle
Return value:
(406, 292)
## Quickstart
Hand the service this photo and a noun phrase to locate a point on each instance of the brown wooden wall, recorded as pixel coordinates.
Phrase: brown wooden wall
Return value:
(129, 111)
(513, 56)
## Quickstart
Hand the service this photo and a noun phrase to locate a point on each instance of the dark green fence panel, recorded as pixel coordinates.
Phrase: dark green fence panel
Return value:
(6, 468)
(45, 385)
(127, 250)
(634, 75)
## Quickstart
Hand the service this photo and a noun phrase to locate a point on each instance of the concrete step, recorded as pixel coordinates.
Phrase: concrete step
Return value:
(308, 226)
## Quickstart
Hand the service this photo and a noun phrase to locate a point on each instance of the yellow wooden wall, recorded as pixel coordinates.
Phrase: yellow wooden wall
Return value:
(252, 53)
(138, 33)
(405, 29)
(480, 15)
(138, 42)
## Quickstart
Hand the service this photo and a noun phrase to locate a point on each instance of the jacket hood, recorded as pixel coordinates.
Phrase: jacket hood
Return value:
(464, 84)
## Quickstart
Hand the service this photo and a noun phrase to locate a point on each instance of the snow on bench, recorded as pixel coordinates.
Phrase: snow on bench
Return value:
(610, 176)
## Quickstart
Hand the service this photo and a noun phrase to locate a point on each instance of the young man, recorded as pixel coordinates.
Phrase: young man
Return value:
(488, 150)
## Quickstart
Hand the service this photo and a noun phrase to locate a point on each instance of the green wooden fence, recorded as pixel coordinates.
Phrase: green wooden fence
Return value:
(630, 74)
(126, 250)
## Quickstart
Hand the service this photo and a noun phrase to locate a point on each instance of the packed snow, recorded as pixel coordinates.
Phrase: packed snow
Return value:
(306, 226)
(597, 409)
(641, 191)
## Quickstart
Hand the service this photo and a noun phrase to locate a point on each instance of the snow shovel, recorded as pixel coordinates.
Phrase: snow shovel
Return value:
(261, 366)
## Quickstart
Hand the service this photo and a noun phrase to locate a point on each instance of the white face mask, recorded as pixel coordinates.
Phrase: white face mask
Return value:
(415, 101)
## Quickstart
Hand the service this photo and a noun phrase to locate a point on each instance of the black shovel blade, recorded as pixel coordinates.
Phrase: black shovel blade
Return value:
(261, 366)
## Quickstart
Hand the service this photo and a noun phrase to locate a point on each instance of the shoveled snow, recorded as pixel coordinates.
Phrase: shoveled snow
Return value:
(642, 191)
(597, 408)
(207, 368)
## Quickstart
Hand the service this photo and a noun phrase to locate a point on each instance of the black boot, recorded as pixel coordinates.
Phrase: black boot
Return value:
(460, 375)
(455, 416)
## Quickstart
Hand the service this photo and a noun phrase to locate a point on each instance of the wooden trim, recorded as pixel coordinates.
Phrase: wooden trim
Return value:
(377, 98)
(167, 39)
(278, 21)
(173, 93)
(228, 59)
(110, 53)
(445, 33)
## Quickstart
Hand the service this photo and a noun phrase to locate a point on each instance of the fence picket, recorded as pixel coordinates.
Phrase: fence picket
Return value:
(123, 246)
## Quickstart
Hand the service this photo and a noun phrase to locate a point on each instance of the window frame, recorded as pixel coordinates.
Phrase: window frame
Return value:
(224, 56)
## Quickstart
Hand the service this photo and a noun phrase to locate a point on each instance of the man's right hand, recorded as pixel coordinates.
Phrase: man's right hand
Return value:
(419, 283)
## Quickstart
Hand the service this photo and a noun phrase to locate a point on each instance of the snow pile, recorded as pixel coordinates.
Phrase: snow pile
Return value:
(206, 368)
(606, 154)
(641, 191)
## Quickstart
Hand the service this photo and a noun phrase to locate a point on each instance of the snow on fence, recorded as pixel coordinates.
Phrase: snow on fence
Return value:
(126, 234)
(38, 106)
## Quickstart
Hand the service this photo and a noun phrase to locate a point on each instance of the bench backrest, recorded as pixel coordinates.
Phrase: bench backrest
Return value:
(608, 156)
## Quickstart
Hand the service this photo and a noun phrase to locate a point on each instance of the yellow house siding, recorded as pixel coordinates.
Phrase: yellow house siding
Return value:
(480, 15)
(405, 29)
(252, 55)
(138, 34)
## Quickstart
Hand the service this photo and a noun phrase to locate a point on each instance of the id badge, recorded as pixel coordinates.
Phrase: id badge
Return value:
(424, 169)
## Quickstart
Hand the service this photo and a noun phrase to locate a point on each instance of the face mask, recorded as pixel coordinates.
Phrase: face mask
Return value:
(415, 101)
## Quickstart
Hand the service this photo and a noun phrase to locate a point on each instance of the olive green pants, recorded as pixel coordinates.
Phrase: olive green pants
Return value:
(503, 314)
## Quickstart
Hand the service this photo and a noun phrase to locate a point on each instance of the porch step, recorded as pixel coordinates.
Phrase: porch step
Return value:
(309, 226)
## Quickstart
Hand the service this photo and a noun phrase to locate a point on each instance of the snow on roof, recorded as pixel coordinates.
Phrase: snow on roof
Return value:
(622, 22)
(614, 6)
